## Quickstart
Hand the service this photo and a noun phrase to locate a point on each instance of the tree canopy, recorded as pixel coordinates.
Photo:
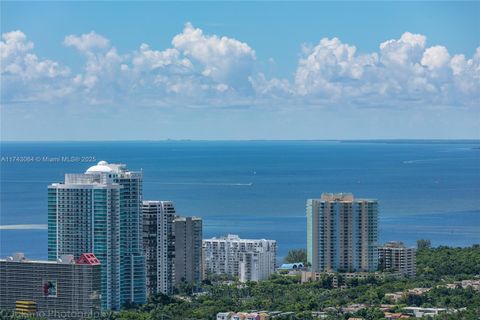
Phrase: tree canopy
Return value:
(296, 255)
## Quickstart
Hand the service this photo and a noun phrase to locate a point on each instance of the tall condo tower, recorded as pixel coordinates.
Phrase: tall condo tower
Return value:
(188, 250)
(100, 211)
(159, 245)
(342, 233)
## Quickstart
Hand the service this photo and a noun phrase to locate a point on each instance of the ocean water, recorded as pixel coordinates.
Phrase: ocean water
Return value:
(258, 189)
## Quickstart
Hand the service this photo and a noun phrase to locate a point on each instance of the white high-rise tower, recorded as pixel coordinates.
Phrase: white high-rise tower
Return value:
(100, 211)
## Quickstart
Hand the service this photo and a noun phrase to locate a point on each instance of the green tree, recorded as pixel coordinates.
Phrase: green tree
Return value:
(370, 314)
(437, 267)
(446, 261)
(296, 255)
(423, 244)
(109, 315)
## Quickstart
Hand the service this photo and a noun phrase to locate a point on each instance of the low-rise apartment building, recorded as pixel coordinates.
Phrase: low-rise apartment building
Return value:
(339, 279)
(396, 257)
(66, 288)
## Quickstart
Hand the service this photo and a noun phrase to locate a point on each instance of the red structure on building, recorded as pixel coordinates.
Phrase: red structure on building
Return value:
(88, 258)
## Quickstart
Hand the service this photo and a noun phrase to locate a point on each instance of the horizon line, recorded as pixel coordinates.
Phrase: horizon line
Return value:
(468, 140)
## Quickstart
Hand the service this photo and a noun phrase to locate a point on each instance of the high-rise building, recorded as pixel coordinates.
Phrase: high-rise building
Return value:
(247, 259)
(188, 250)
(159, 245)
(100, 211)
(61, 289)
(396, 257)
(342, 233)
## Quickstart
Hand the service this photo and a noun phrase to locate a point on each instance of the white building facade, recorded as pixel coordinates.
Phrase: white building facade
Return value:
(248, 259)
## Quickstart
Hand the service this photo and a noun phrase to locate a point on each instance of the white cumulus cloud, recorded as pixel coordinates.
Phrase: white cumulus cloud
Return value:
(435, 57)
(403, 51)
(198, 68)
(147, 59)
(404, 72)
(25, 76)
(224, 59)
(201, 69)
(330, 68)
(87, 41)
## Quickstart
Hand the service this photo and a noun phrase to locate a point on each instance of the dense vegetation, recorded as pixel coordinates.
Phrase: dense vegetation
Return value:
(288, 294)
(447, 261)
(436, 266)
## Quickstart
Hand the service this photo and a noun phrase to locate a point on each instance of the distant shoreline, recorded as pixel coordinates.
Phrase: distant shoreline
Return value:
(388, 141)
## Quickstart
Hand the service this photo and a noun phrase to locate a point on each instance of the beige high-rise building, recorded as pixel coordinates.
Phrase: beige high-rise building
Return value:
(188, 249)
(342, 233)
(396, 257)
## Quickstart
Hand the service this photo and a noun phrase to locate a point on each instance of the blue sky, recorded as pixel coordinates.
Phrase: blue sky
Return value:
(228, 70)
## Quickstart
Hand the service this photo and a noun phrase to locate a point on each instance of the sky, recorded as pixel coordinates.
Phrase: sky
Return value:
(239, 70)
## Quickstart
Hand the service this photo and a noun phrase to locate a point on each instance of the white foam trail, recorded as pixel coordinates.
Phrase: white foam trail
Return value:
(24, 227)
(421, 161)
(204, 183)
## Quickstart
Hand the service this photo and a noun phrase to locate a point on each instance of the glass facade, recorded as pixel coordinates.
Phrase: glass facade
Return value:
(100, 212)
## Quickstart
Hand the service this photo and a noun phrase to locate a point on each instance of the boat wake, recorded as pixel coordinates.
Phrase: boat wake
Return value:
(205, 183)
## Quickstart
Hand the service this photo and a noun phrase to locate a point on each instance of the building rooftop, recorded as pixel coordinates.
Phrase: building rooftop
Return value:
(179, 218)
(156, 202)
(395, 244)
(85, 258)
(290, 266)
(337, 196)
(342, 197)
(88, 258)
(102, 166)
(234, 237)
(105, 167)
